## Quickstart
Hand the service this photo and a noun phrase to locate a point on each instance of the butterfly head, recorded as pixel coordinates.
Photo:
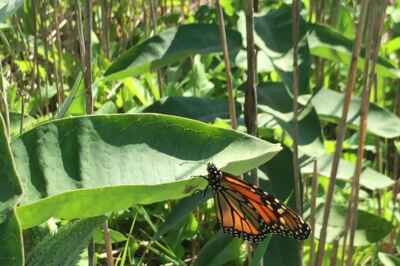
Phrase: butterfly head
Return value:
(214, 175)
(213, 170)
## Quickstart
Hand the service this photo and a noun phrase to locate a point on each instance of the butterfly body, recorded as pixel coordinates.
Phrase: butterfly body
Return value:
(246, 211)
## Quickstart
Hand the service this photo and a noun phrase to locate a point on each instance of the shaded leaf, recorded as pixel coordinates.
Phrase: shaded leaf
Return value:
(259, 251)
(65, 247)
(274, 37)
(206, 110)
(11, 248)
(180, 211)
(282, 251)
(219, 250)
(274, 99)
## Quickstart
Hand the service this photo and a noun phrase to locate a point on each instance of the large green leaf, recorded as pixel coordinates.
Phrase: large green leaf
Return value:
(329, 105)
(274, 37)
(370, 227)
(11, 252)
(86, 166)
(327, 43)
(192, 107)
(171, 46)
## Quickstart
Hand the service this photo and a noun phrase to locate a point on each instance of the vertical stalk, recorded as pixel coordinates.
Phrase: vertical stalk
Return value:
(250, 98)
(145, 19)
(21, 125)
(80, 33)
(335, 4)
(43, 26)
(4, 104)
(153, 13)
(395, 163)
(314, 190)
(319, 62)
(105, 26)
(350, 217)
(59, 75)
(229, 86)
(377, 27)
(295, 90)
(342, 130)
(35, 69)
(88, 56)
(250, 101)
(87, 59)
(333, 259)
(108, 244)
(295, 84)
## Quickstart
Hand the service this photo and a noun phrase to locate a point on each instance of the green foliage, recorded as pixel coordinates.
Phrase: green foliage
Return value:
(381, 122)
(11, 250)
(64, 248)
(371, 228)
(140, 157)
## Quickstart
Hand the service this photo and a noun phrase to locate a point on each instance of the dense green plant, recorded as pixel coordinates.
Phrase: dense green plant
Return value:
(161, 112)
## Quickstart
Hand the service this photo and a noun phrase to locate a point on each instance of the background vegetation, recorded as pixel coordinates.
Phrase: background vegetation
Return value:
(110, 111)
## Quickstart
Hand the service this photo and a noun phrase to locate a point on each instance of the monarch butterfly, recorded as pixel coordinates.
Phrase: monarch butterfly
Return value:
(246, 211)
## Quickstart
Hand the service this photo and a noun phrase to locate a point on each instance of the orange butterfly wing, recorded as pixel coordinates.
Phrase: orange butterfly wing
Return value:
(247, 211)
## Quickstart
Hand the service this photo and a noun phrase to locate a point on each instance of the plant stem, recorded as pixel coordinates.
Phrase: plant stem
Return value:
(250, 101)
(59, 76)
(229, 86)
(342, 130)
(108, 244)
(88, 56)
(314, 188)
(373, 48)
(295, 85)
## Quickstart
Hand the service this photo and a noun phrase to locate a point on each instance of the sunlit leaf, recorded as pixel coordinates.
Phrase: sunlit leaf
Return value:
(380, 122)
(87, 166)
(171, 46)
